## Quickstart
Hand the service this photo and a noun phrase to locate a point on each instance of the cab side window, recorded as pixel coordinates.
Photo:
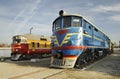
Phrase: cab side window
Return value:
(33, 44)
(38, 45)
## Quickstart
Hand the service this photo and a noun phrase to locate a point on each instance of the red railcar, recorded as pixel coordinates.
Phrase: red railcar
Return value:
(30, 46)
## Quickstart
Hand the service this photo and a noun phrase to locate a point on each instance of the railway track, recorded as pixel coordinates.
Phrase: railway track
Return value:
(40, 74)
(27, 74)
(54, 74)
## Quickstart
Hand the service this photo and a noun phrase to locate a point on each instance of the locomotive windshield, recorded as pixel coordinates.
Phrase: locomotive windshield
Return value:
(16, 40)
(66, 22)
(19, 39)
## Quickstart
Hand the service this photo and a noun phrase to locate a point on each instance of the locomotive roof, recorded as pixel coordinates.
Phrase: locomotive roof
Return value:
(34, 37)
(77, 15)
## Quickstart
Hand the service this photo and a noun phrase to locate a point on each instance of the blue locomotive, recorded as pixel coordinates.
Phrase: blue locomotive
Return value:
(76, 41)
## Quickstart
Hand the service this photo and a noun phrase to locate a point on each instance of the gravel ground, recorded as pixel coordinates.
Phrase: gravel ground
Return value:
(106, 68)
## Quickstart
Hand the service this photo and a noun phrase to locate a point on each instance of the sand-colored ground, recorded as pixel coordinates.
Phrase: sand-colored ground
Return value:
(106, 68)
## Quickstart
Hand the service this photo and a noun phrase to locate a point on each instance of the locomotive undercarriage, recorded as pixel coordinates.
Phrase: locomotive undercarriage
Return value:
(19, 56)
(91, 55)
(15, 57)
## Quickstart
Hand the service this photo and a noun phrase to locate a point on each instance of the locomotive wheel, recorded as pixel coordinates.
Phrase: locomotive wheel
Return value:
(79, 65)
(23, 57)
(85, 59)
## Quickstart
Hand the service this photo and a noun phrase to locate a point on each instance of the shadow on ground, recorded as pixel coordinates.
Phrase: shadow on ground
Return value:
(44, 62)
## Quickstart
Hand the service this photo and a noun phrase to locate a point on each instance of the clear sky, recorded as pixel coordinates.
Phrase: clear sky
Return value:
(18, 16)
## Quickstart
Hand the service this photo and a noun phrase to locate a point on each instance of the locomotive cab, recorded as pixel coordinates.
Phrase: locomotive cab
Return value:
(17, 47)
(19, 39)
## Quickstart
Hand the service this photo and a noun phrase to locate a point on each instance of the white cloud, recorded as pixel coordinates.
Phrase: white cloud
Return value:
(26, 14)
(42, 29)
(9, 28)
(32, 13)
(10, 9)
(115, 18)
(6, 12)
(102, 8)
(3, 10)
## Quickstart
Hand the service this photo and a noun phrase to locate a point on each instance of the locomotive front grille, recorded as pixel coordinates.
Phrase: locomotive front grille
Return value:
(58, 62)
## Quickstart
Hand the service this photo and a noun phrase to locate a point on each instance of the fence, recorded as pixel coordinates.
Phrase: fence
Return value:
(5, 52)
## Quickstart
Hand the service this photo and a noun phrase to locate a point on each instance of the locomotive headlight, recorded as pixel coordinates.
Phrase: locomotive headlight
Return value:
(69, 43)
(16, 49)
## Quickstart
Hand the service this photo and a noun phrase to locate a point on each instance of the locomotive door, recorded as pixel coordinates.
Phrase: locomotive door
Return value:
(32, 46)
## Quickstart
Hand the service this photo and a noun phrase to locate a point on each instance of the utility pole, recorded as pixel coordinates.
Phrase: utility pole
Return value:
(119, 44)
(31, 30)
